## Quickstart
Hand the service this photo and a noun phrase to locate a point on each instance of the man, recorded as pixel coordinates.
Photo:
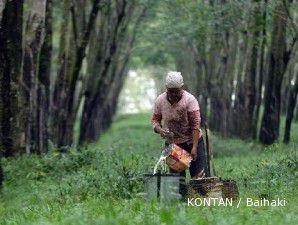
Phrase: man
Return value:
(180, 113)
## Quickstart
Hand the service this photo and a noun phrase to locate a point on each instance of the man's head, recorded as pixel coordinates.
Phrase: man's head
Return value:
(174, 84)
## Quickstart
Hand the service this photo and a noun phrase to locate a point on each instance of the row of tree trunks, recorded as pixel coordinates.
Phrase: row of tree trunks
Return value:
(239, 115)
(216, 63)
(36, 106)
(100, 77)
(120, 69)
(81, 46)
(236, 73)
(64, 106)
(97, 114)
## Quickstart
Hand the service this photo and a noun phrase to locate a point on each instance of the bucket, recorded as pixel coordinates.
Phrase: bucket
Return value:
(177, 158)
(162, 187)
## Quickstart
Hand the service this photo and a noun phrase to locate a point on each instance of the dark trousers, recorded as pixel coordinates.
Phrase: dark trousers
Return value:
(199, 166)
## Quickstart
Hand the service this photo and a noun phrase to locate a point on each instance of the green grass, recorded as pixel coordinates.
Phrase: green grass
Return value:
(98, 183)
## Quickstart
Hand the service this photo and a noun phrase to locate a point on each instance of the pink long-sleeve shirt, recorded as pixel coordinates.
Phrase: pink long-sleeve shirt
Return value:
(180, 118)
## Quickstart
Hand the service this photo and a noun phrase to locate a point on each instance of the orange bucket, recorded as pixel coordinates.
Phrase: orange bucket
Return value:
(177, 158)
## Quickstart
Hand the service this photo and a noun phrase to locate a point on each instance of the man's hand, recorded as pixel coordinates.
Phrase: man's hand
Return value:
(166, 134)
(194, 153)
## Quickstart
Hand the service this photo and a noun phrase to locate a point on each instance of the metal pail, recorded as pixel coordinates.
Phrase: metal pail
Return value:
(162, 187)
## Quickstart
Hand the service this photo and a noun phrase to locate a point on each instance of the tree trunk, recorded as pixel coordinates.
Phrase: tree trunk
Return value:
(221, 74)
(249, 85)
(34, 38)
(1, 172)
(93, 96)
(221, 96)
(65, 107)
(296, 119)
(238, 109)
(80, 55)
(290, 111)
(97, 111)
(12, 140)
(261, 72)
(58, 109)
(2, 4)
(44, 74)
(269, 130)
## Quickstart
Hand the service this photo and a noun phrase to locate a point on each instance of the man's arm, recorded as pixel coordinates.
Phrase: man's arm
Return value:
(156, 123)
(195, 120)
(156, 118)
(195, 140)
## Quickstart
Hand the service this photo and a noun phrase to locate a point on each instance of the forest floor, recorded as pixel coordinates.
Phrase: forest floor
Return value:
(98, 183)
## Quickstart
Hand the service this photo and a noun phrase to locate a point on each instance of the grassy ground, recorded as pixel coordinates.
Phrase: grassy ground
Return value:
(98, 183)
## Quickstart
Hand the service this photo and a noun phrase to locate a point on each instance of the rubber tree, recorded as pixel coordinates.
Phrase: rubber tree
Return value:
(292, 99)
(1, 171)
(44, 74)
(34, 38)
(261, 72)
(247, 95)
(12, 131)
(72, 55)
(114, 40)
(278, 59)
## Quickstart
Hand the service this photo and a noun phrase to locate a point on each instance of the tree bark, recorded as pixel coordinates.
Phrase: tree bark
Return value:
(44, 74)
(239, 92)
(249, 86)
(296, 119)
(80, 55)
(58, 109)
(261, 73)
(11, 135)
(279, 57)
(93, 96)
(221, 96)
(65, 116)
(2, 4)
(1, 172)
(290, 110)
(34, 38)
(97, 111)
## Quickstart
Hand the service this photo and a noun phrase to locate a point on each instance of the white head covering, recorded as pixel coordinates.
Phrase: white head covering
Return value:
(174, 79)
